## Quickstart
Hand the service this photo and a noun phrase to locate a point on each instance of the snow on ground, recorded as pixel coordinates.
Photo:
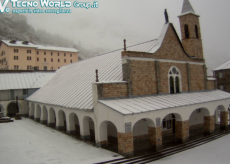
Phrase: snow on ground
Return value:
(28, 142)
(213, 152)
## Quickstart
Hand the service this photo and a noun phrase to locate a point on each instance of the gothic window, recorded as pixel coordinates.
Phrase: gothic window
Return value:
(196, 31)
(186, 31)
(174, 80)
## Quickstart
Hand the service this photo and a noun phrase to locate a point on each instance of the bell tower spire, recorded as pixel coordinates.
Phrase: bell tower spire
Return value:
(190, 31)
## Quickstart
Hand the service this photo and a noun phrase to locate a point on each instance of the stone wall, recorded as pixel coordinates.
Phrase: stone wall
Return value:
(125, 144)
(112, 90)
(197, 77)
(211, 85)
(182, 131)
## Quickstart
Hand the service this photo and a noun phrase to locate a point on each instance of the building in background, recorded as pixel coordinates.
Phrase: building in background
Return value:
(16, 87)
(222, 73)
(22, 55)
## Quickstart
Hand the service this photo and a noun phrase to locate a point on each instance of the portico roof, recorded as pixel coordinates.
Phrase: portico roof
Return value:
(153, 103)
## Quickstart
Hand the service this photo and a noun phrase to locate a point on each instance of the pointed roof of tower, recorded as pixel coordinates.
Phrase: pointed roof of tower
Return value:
(187, 7)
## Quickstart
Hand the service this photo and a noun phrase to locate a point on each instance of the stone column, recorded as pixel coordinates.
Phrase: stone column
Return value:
(224, 119)
(182, 131)
(209, 124)
(125, 144)
(155, 137)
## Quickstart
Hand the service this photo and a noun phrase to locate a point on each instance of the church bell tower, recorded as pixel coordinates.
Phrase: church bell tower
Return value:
(190, 31)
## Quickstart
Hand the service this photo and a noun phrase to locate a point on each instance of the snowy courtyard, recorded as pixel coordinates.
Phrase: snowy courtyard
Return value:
(28, 142)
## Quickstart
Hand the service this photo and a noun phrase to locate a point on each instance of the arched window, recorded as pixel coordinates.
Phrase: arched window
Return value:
(186, 31)
(196, 31)
(174, 80)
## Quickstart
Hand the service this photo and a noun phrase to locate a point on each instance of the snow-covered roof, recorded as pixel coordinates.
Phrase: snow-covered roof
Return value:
(41, 47)
(151, 103)
(24, 80)
(19, 44)
(187, 7)
(72, 85)
(53, 48)
(223, 66)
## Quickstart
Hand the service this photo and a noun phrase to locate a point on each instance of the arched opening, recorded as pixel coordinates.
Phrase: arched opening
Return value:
(52, 118)
(174, 80)
(62, 120)
(108, 136)
(196, 31)
(217, 114)
(37, 115)
(31, 112)
(197, 122)
(89, 131)
(74, 124)
(141, 137)
(44, 115)
(1, 109)
(169, 129)
(12, 109)
(186, 31)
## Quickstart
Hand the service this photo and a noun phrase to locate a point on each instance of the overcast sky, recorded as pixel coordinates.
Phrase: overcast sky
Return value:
(138, 21)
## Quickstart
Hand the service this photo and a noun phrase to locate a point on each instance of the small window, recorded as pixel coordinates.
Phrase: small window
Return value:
(51, 53)
(44, 53)
(37, 59)
(64, 54)
(58, 60)
(25, 91)
(37, 52)
(16, 67)
(15, 50)
(186, 31)
(58, 53)
(51, 68)
(29, 51)
(15, 57)
(58, 67)
(45, 68)
(44, 59)
(221, 87)
(29, 67)
(51, 59)
(70, 61)
(196, 31)
(65, 60)
(220, 75)
(28, 57)
(70, 55)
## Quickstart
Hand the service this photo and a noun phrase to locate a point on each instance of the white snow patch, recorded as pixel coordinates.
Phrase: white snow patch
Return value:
(26, 141)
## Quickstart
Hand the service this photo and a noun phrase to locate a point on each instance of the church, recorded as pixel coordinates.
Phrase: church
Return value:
(139, 97)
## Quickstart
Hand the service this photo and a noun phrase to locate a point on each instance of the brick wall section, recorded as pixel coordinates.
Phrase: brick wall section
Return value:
(182, 131)
(205, 77)
(223, 119)
(143, 77)
(125, 144)
(170, 49)
(164, 67)
(127, 71)
(211, 84)
(209, 124)
(188, 76)
(112, 90)
(197, 77)
(155, 137)
(225, 81)
(104, 143)
(158, 76)
(192, 46)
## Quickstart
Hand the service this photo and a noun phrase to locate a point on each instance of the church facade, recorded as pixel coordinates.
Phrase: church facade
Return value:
(146, 93)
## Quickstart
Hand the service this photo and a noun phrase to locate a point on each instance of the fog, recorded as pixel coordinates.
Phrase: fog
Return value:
(138, 21)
